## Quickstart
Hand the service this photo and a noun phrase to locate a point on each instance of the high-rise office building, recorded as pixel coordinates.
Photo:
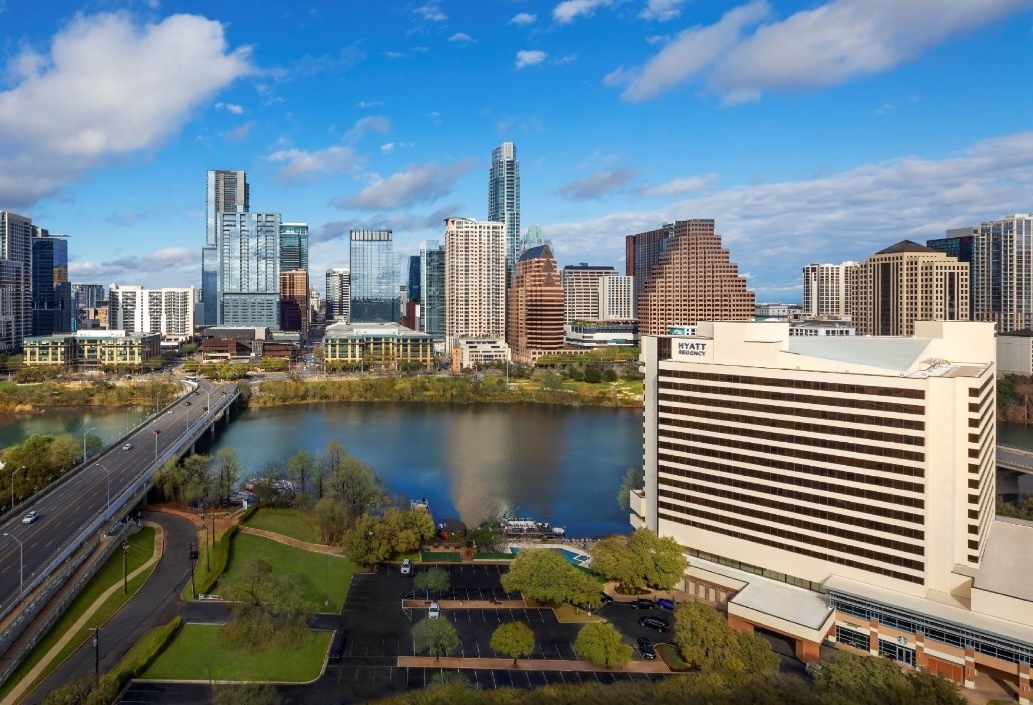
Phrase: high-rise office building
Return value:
(581, 291)
(248, 288)
(534, 314)
(294, 314)
(15, 280)
(168, 311)
(825, 291)
(959, 243)
(693, 280)
(642, 252)
(374, 277)
(413, 279)
(475, 279)
(87, 295)
(293, 247)
(338, 295)
(616, 298)
(52, 310)
(840, 488)
(226, 192)
(1002, 272)
(904, 283)
(432, 288)
(504, 200)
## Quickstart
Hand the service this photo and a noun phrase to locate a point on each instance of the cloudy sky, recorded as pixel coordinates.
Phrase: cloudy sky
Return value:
(810, 131)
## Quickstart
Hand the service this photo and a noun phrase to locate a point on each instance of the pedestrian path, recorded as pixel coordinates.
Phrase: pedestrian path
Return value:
(506, 664)
(288, 541)
(23, 687)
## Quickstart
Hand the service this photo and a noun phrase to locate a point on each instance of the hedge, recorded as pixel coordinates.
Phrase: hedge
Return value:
(220, 559)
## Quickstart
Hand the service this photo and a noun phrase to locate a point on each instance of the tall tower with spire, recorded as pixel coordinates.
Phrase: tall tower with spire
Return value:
(504, 200)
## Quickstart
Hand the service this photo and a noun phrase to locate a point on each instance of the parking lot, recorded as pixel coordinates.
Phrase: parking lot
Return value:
(474, 582)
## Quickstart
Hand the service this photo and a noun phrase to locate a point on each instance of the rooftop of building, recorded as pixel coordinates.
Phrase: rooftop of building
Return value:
(1003, 569)
(536, 252)
(383, 330)
(91, 334)
(1023, 333)
(904, 246)
(586, 265)
(900, 355)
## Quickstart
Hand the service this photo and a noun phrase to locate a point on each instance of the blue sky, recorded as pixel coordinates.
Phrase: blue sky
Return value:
(810, 131)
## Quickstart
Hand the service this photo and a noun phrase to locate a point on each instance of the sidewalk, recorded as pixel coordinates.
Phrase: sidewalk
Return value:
(506, 664)
(24, 686)
(288, 541)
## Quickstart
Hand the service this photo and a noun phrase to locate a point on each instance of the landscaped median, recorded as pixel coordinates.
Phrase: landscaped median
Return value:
(655, 666)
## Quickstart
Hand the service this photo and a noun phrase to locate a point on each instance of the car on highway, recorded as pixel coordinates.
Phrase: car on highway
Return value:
(169, 412)
(433, 612)
(127, 446)
(187, 403)
(406, 566)
(642, 604)
(645, 647)
(30, 517)
(656, 623)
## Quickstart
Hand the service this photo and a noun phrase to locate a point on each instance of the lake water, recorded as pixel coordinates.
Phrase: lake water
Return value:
(558, 464)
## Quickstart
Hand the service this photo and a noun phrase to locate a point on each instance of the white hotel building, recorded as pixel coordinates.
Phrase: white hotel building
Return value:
(841, 489)
(168, 311)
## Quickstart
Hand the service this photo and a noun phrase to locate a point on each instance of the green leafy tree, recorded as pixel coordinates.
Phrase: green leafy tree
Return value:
(633, 479)
(705, 640)
(300, 468)
(434, 580)
(933, 688)
(269, 608)
(613, 558)
(593, 374)
(351, 481)
(609, 375)
(332, 519)
(541, 574)
(487, 537)
(602, 645)
(74, 692)
(848, 679)
(227, 470)
(513, 639)
(663, 563)
(435, 636)
(369, 542)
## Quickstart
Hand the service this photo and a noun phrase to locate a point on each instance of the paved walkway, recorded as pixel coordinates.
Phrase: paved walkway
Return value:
(288, 541)
(506, 664)
(24, 685)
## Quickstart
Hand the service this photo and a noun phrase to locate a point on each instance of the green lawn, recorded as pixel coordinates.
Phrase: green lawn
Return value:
(295, 523)
(315, 570)
(197, 647)
(141, 548)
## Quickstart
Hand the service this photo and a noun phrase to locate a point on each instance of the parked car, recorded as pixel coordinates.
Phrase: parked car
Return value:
(433, 612)
(656, 623)
(336, 646)
(30, 517)
(645, 647)
(665, 604)
(127, 446)
(406, 566)
(605, 599)
(642, 604)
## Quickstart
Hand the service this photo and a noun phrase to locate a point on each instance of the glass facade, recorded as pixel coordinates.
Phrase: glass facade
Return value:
(374, 278)
(249, 269)
(51, 292)
(412, 282)
(293, 247)
(504, 200)
(225, 192)
(432, 288)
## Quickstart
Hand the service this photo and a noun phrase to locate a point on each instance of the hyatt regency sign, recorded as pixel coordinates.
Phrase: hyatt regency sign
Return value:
(692, 350)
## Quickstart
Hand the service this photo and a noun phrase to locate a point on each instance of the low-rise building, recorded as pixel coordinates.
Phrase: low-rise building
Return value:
(1015, 352)
(376, 346)
(471, 352)
(601, 334)
(93, 348)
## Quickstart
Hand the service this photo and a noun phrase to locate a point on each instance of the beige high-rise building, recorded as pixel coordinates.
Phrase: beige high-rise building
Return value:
(581, 291)
(825, 291)
(616, 298)
(475, 279)
(693, 280)
(534, 316)
(905, 283)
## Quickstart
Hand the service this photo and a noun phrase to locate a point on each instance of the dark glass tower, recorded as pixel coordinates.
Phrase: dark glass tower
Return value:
(51, 290)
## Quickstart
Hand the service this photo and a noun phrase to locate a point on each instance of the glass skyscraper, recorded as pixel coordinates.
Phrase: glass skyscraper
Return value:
(374, 278)
(51, 290)
(248, 245)
(226, 192)
(293, 247)
(432, 288)
(504, 200)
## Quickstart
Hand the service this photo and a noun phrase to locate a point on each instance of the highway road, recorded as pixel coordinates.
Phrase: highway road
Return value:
(66, 510)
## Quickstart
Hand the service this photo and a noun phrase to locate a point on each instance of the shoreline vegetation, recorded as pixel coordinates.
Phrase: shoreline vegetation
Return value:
(34, 398)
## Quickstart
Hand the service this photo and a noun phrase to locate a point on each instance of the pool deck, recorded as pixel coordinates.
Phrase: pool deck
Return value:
(584, 558)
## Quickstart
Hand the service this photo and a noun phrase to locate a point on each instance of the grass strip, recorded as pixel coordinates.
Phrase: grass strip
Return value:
(295, 523)
(441, 556)
(198, 653)
(141, 548)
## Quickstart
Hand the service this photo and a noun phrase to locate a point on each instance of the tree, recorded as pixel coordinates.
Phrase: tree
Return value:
(332, 519)
(246, 694)
(300, 467)
(513, 639)
(73, 692)
(251, 585)
(369, 542)
(269, 608)
(613, 558)
(435, 580)
(933, 688)
(227, 470)
(609, 375)
(541, 574)
(633, 479)
(435, 636)
(663, 563)
(351, 481)
(487, 537)
(593, 374)
(602, 645)
(705, 640)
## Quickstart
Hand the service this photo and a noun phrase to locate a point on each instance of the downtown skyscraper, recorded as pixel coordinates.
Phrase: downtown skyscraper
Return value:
(504, 200)
(226, 192)
(374, 277)
(15, 280)
(475, 280)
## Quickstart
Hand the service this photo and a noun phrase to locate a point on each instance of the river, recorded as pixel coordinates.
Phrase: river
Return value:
(553, 463)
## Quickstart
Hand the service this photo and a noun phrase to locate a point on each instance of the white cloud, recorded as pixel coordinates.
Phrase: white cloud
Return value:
(531, 57)
(810, 49)
(170, 260)
(676, 187)
(597, 184)
(394, 54)
(461, 37)
(523, 18)
(843, 216)
(420, 184)
(367, 104)
(431, 12)
(661, 10)
(366, 125)
(107, 87)
(239, 133)
(387, 147)
(300, 163)
(231, 108)
(569, 10)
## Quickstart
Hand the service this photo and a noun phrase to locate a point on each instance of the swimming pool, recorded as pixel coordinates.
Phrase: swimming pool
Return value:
(579, 559)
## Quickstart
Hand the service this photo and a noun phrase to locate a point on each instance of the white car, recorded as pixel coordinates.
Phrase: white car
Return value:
(30, 517)
(433, 612)
(127, 446)
(406, 566)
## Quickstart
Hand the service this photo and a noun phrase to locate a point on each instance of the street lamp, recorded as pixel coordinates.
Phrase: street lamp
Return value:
(108, 473)
(21, 564)
(84, 442)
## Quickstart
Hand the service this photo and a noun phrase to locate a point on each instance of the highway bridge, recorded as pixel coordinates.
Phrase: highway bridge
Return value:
(80, 506)
(1015, 459)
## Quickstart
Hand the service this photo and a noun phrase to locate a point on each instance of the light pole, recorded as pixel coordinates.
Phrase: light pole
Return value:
(125, 561)
(21, 564)
(84, 441)
(108, 474)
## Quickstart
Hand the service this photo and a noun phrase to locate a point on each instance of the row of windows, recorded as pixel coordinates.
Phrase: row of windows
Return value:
(823, 499)
(784, 521)
(789, 424)
(754, 448)
(756, 570)
(866, 566)
(742, 469)
(824, 442)
(828, 387)
(789, 398)
(974, 392)
(801, 412)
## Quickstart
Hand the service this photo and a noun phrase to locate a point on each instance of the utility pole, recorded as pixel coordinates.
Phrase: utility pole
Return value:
(193, 558)
(125, 562)
(96, 654)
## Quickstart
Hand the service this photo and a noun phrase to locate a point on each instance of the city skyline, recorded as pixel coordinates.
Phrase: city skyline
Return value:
(626, 115)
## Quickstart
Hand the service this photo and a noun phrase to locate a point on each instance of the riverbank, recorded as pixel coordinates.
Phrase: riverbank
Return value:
(29, 398)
